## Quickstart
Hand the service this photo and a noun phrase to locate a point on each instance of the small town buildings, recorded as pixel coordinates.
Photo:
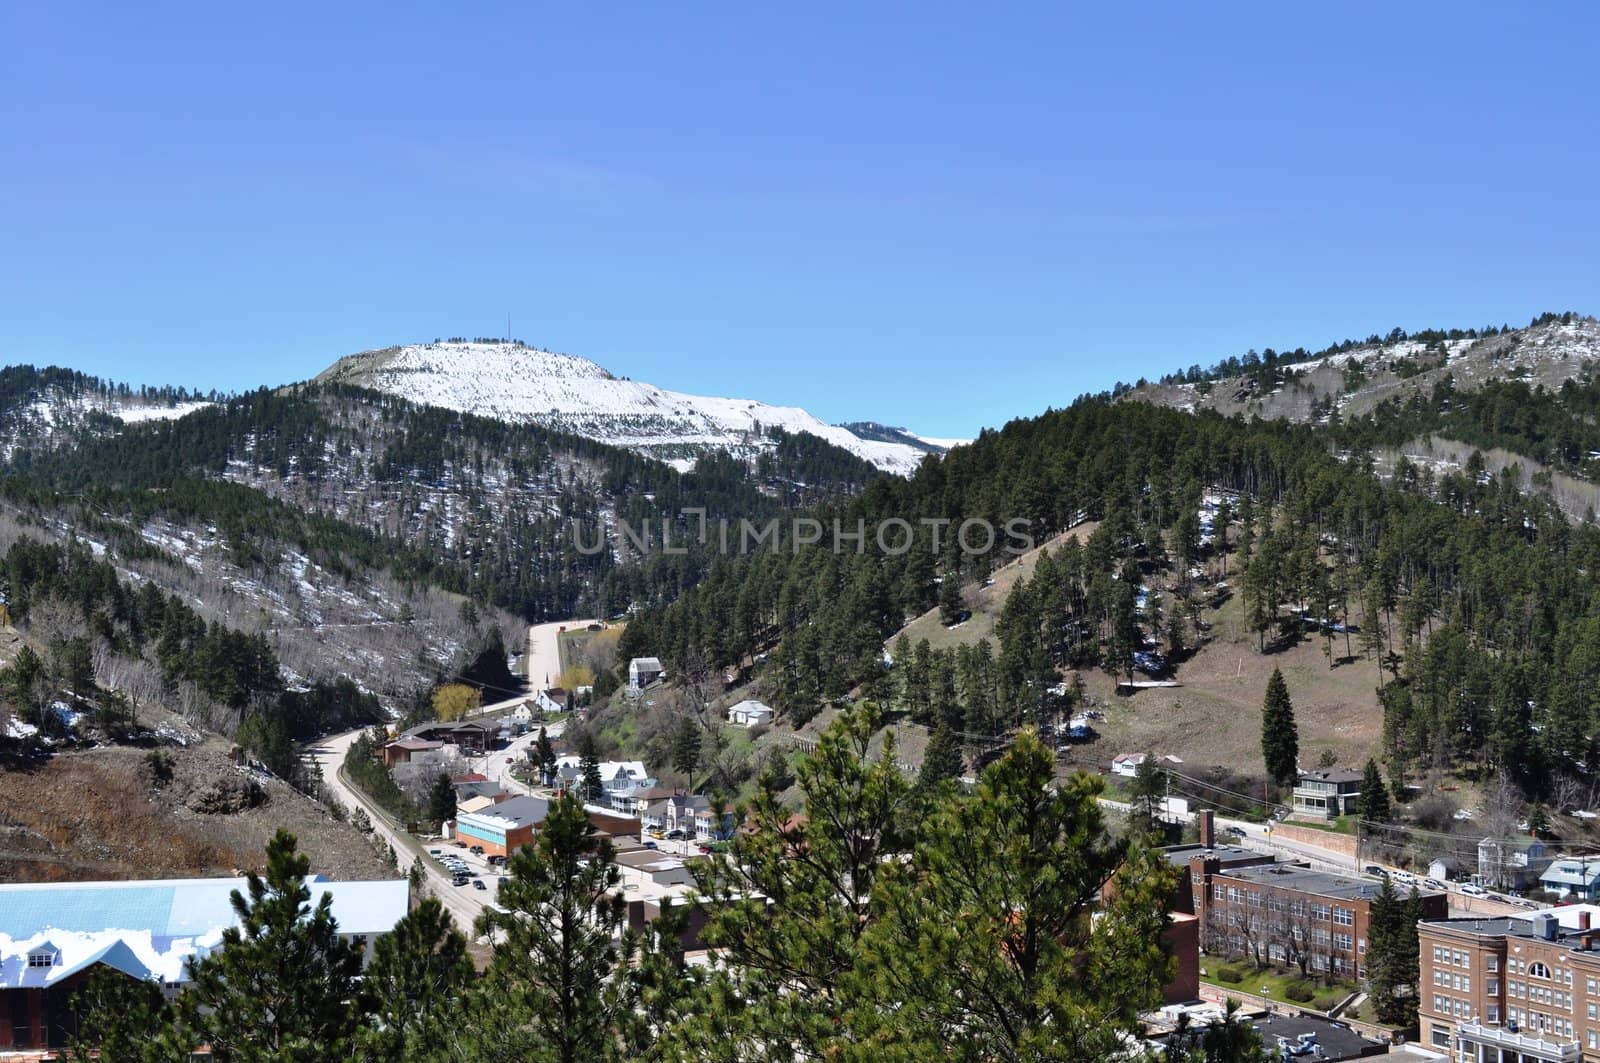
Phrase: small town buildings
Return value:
(691, 814)
(750, 713)
(505, 828)
(1327, 793)
(642, 671)
(1573, 876)
(1252, 905)
(1523, 987)
(53, 936)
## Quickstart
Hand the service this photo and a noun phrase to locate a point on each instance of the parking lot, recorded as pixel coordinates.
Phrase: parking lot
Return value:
(478, 866)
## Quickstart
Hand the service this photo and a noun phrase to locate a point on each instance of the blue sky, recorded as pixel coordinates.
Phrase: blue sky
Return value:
(939, 216)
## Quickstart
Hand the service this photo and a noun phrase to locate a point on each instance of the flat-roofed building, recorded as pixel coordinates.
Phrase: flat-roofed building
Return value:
(1250, 904)
(1523, 987)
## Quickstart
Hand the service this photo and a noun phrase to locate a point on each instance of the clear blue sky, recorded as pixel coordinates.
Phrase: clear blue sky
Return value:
(940, 216)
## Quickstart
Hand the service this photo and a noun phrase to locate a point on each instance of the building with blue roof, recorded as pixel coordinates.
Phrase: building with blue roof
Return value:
(53, 935)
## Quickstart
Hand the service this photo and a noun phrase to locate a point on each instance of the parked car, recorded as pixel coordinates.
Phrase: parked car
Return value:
(435, 852)
(656, 833)
(1237, 832)
(704, 848)
(1433, 884)
(1374, 869)
(651, 845)
(674, 835)
(476, 849)
(477, 884)
(1472, 890)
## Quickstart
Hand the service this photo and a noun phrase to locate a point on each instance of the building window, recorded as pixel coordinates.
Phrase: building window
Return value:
(1491, 963)
(1538, 970)
(41, 959)
(1344, 916)
(1441, 1037)
(1493, 1013)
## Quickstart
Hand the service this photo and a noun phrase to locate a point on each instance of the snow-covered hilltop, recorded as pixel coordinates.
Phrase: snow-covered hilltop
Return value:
(513, 382)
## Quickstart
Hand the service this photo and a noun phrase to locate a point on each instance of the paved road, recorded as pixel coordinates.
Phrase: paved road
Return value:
(464, 903)
(544, 657)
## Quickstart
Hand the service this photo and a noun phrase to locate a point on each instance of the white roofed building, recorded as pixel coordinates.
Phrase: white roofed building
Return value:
(53, 935)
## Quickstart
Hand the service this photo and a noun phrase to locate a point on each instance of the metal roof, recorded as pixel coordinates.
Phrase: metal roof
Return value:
(149, 927)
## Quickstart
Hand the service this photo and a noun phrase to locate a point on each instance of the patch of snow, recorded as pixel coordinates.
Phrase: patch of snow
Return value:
(138, 414)
(561, 391)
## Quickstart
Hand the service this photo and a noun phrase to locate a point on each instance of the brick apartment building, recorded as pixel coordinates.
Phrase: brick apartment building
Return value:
(1524, 988)
(1250, 905)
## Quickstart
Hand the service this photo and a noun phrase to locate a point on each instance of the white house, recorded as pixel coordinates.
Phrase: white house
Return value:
(1127, 764)
(619, 779)
(750, 713)
(642, 671)
(552, 701)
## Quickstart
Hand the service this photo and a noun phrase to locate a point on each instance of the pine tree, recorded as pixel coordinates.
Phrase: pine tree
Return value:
(942, 760)
(985, 939)
(1280, 739)
(950, 604)
(1373, 804)
(1149, 787)
(417, 972)
(1393, 965)
(544, 755)
(686, 741)
(442, 800)
(125, 1019)
(556, 989)
(282, 984)
(789, 910)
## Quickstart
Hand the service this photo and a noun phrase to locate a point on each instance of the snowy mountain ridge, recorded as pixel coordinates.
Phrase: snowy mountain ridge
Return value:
(515, 382)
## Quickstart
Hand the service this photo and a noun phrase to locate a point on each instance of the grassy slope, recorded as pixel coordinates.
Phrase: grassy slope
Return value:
(985, 602)
(1214, 718)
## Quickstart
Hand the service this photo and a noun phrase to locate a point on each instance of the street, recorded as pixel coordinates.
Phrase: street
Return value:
(464, 903)
(544, 654)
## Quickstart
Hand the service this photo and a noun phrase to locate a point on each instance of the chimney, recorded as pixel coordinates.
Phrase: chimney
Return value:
(1208, 829)
(1583, 919)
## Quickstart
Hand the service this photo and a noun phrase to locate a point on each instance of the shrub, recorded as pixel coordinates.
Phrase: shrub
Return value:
(1230, 975)
(1325, 1003)
(1299, 992)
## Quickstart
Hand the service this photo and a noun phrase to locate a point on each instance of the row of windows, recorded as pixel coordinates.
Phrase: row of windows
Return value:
(1278, 903)
(1535, 1022)
(1460, 982)
(1453, 957)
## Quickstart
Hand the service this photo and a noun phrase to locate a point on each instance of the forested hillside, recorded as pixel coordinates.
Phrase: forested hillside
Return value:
(1477, 599)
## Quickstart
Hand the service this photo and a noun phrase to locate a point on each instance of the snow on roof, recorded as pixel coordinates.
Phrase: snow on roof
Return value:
(651, 663)
(149, 928)
(751, 705)
(609, 769)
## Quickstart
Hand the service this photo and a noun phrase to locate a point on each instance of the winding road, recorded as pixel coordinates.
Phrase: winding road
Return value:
(464, 903)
